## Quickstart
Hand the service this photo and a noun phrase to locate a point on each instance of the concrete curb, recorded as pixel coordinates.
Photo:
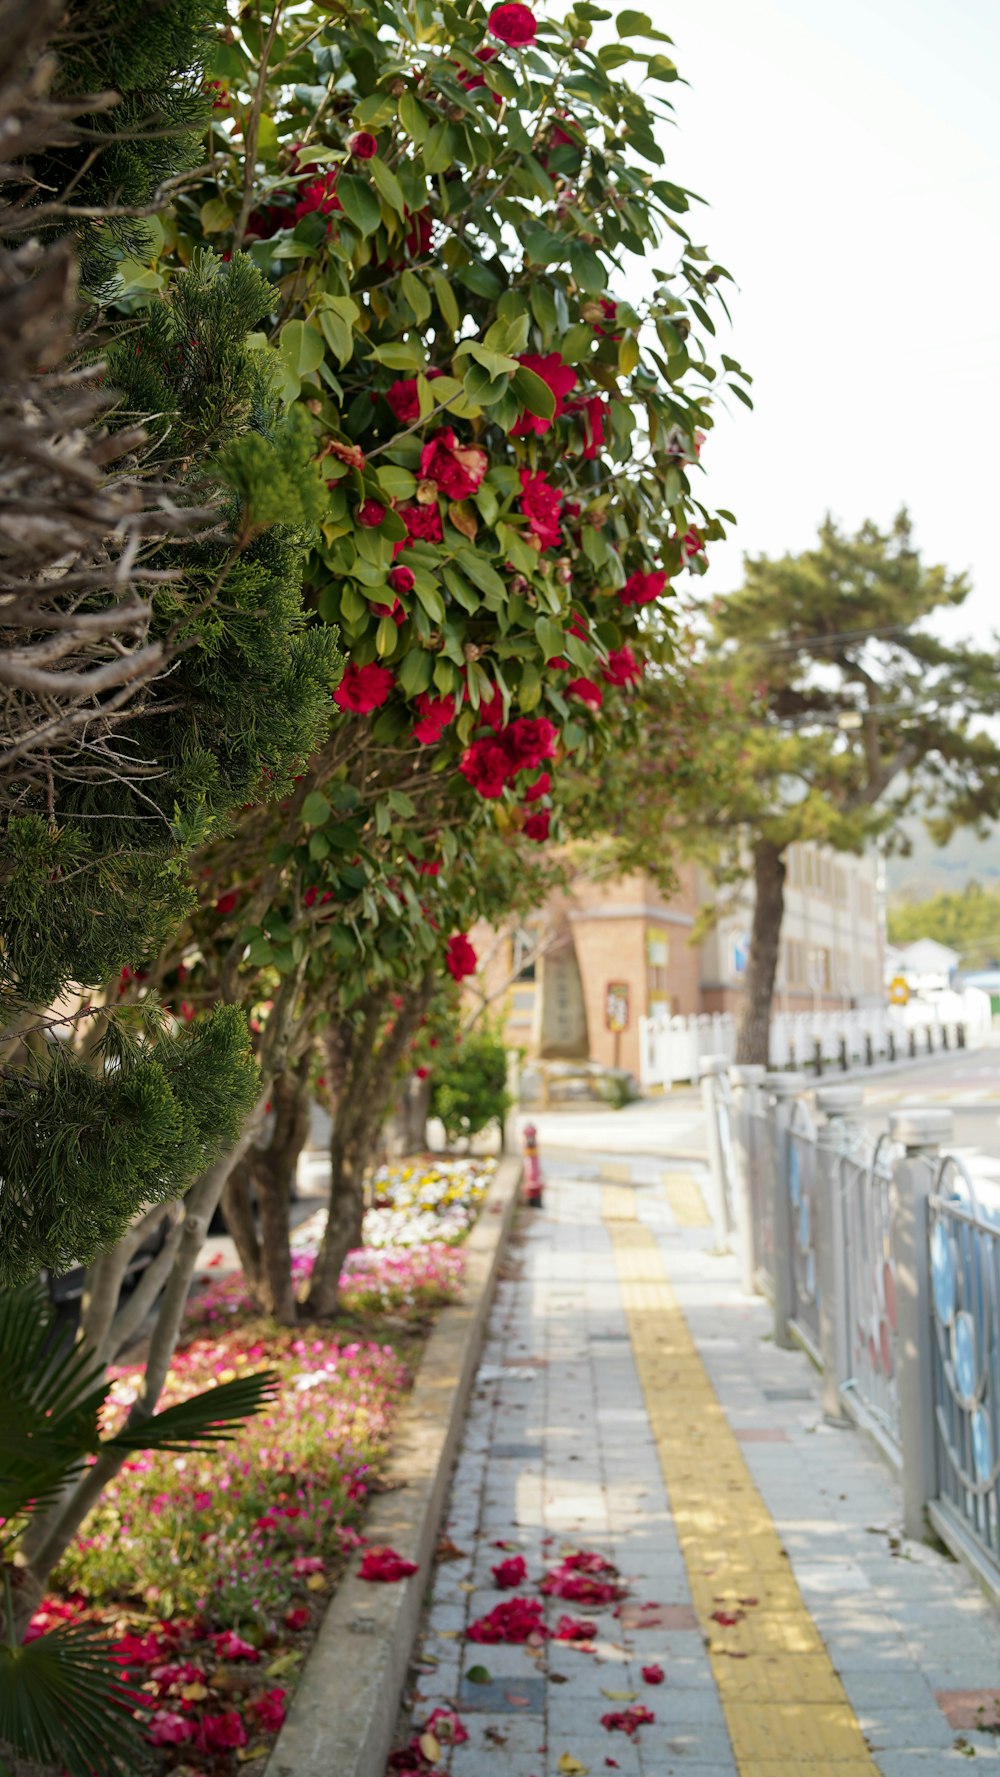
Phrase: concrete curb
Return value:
(343, 1715)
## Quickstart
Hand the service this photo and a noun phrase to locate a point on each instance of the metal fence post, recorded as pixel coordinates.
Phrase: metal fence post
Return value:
(719, 1159)
(837, 1104)
(922, 1134)
(784, 1088)
(746, 1083)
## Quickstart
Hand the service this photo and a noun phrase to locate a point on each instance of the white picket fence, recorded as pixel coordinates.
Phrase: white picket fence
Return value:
(674, 1048)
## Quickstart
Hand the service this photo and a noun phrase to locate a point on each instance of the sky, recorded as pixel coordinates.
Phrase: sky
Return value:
(849, 154)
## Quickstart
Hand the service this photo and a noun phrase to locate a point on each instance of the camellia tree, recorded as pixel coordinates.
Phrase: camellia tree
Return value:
(442, 204)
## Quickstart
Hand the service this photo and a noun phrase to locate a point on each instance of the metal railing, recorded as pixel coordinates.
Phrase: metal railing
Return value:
(882, 1265)
(674, 1048)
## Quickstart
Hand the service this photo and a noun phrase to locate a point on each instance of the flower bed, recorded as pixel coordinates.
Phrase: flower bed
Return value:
(212, 1569)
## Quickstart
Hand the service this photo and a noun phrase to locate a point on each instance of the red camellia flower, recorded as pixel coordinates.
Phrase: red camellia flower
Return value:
(226, 903)
(435, 715)
(586, 691)
(536, 826)
(385, 1565)
(363, 688)
(269, 1710)
(447, 1726)
(513, 24)
(395, 611)
(299, 1616)
(489, 764)
(370, 514)
(319, 196)
(622, 667)
(457, 468)
(627, 1721)
(540, 505)
(230, 1646)
(653, 1674)
(692, 543)
(516, 1620)
(559, 377)
(403, 398)
(584, 1578)
(461, 957)
(471, 81)
(541, 787)
(642, 589)
(575, 1629)
(593, 409)
(422, 1072)
(363, 145)
(508, 1575)
(216, 1733)
(401, 580)
(423, 523)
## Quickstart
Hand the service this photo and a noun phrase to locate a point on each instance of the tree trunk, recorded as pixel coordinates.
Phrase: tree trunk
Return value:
(753, 1037)
(241, 1225)
(367, 1073)
(273, 1171)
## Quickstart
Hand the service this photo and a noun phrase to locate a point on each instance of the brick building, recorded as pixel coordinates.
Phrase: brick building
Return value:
(605, 954)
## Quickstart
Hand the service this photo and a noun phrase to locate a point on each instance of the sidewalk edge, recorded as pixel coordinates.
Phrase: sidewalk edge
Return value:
(343, 1714)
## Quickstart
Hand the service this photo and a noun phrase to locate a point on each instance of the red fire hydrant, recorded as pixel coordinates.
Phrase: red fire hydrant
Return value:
(533, 1182)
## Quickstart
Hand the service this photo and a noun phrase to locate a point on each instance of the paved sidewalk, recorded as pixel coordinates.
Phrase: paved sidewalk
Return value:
(631, 1404)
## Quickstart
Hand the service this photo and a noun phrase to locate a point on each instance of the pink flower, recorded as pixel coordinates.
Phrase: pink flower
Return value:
(586, 691)
(370, 514)
(169, 1729)
(540, 505)
(508, 1575)
(622, 667)
(559, 377)
(446, 1726)
(364, 688)
(230, 1646)
(362, 144)
(385, 1565)
(456, 468)
(461, 957)
(435, 715)
(642, 589)
(513, 24)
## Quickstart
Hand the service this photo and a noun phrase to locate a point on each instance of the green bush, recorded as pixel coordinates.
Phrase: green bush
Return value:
(470, 1090)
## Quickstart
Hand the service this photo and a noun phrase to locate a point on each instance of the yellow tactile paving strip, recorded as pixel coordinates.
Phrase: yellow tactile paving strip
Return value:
(686, 1202)
(785, 1707)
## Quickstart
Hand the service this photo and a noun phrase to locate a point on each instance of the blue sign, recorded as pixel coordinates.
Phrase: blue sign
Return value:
(741, 953)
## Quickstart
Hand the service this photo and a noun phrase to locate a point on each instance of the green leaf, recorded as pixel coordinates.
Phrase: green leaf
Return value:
(628, 354)
(301, 347)
(481, 572)
(431, 600)
(588, 268)
(413, 117)
(338, 333)
(386, 636)
(460, 589)
(497, 363)
(482, 388)
(439, 148)
(478, 1675)
(416, 296)
(550, 637)
(399, 356)
(534, 393)
(387, 184)
(359, 203)
(397, 483)
(415, 671)
(446, 301)
(215, 216)
(316, 809)
(529, 691)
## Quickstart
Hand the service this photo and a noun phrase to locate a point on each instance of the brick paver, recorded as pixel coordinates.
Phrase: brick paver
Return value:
(631, 1403)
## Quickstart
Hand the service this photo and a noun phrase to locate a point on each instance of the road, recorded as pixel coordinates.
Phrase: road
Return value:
(966, 1083)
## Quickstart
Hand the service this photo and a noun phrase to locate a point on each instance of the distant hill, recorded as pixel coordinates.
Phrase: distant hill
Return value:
(931, 869)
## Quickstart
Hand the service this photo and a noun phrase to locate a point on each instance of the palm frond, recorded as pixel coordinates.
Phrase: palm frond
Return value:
(215, 1414)
(62, 1704)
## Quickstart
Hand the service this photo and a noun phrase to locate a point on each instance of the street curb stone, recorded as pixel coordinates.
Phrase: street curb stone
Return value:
(343, 1715)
